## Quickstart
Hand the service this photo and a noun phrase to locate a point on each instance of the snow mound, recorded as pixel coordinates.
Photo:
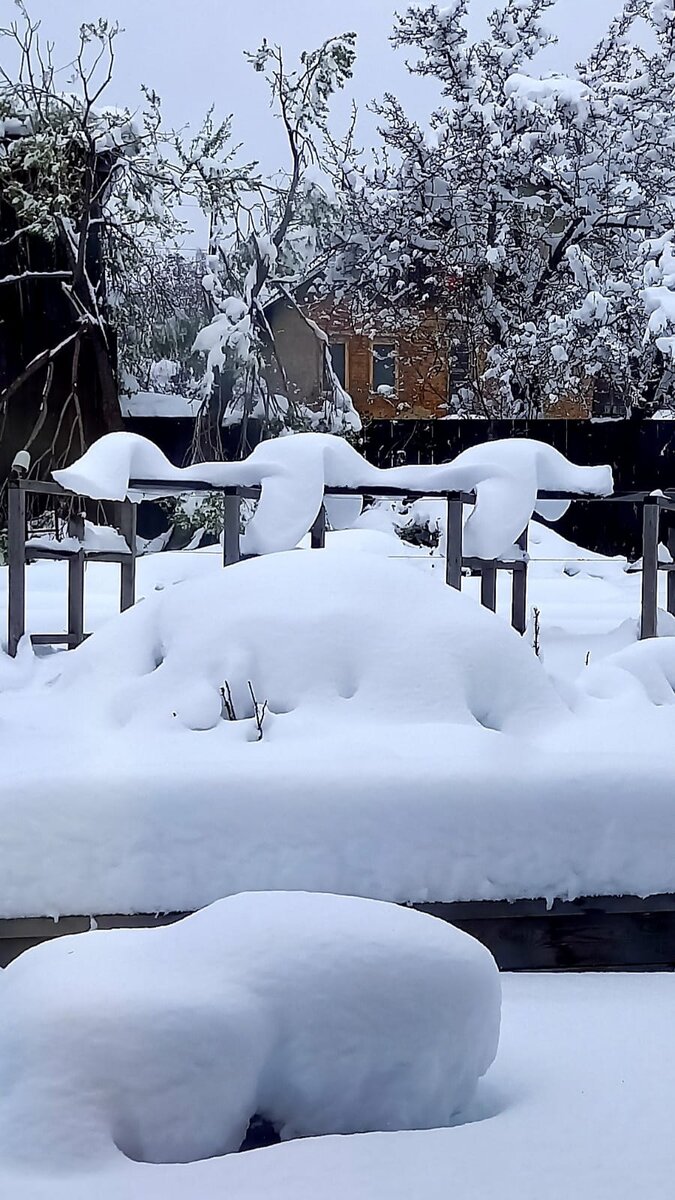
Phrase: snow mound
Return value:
(294, 471)
(643, 672)
(326, 1014)
(341, 635)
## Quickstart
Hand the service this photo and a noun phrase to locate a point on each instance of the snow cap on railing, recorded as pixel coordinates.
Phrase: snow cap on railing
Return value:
(293, 472)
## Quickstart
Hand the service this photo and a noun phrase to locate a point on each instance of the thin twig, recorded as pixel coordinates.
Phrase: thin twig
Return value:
(259, 711)
(228, 703)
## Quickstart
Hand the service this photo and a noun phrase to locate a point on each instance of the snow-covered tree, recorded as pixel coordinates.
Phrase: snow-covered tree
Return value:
(158, 314)
(263, 245)
(521, 215)
(88, 192)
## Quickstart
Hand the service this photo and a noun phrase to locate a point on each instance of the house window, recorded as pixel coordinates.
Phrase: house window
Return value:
(340, 360)
(384, 367)
(460, 368)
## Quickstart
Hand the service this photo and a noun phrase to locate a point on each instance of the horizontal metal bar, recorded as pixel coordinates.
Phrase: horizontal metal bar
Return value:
(479, 564)
(41, 487)
(34, 553)
(199, 485)
(196, 485)
(49, 639)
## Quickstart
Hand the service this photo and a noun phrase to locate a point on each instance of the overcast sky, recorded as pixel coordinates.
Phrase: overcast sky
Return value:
(190, 51)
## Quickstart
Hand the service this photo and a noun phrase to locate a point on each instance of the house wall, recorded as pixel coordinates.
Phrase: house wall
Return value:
(300, 353)
(422, 381)
(422, 378)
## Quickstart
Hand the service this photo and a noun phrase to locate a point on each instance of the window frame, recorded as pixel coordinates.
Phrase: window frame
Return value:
(374, 343)
(341, 341)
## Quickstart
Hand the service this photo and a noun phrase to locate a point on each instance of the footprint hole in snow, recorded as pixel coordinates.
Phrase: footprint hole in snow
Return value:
(487, 720)
(260, 1133)
(347, 689)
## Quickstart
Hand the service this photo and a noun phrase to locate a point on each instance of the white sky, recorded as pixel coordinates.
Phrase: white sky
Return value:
(190, 52)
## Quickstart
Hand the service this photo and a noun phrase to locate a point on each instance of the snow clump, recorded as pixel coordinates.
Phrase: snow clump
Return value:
(325, 1014)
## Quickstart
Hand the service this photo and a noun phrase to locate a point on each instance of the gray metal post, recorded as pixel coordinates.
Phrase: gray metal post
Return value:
(519, 589)
(76, 585)
(231, 519)
(317, 534)
(650, 567)
(670, 587)
(453, 549)
(16, 555)
(128, 514)
(488, 586)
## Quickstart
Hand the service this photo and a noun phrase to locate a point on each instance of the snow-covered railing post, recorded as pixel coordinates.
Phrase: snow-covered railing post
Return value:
(670, 577)
(453, 547)
(317, 534)
(650, 566)
(127, 517)
(83, 543)
(16, 556)
(519, 588)
(76, 583)
(488, 586)
(231, 527)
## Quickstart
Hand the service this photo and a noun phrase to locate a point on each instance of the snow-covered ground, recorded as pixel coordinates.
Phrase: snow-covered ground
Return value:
(413, 748)
(577, 1104)
(334, 721)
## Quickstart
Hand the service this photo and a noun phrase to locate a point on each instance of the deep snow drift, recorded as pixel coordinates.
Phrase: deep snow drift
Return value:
(418, 752)
(293, 472)
(327, 1014)
(329, 635)
(577, 1104)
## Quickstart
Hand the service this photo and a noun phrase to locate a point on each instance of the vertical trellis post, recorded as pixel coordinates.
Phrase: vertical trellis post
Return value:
(231, 521)
(670, 587)
(519, 588)
(128, 520)
(453, 548)
(317, 534)
(76, 584)
(650, 566)
(16, 556)
(488, 586)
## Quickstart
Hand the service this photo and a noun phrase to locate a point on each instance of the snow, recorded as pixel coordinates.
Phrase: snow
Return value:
(294, 471)
(159, 404)
(403, 758)
(577, 1104)
(287, 624)
(327, 1014)
(98, 539)
(527, 91)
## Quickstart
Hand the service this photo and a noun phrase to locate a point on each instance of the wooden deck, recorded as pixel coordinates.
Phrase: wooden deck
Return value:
(601, 933)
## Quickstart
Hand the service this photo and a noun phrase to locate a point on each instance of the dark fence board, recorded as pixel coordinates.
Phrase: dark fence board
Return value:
(601, 933)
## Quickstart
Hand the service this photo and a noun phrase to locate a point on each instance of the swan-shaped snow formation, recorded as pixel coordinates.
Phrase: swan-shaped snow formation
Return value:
(293, 472)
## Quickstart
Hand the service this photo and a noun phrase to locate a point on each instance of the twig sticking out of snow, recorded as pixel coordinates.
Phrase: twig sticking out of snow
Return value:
(228, 703)
(536, 631)
(259, 711)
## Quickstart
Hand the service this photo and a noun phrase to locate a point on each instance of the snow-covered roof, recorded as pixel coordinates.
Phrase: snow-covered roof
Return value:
(158, 404)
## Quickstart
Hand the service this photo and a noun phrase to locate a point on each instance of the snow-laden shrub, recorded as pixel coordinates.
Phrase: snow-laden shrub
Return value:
(326, 1014)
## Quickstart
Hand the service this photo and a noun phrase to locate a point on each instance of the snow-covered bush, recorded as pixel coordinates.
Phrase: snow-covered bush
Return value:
(325, 1014)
